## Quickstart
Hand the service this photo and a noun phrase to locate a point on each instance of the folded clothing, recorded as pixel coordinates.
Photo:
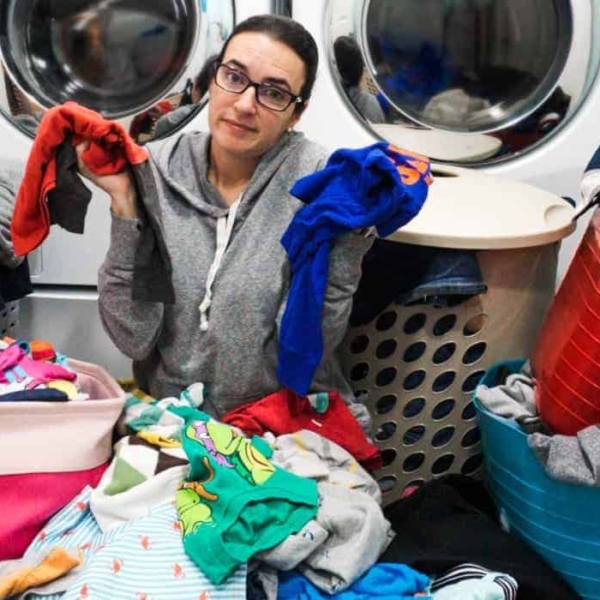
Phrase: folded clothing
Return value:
(49, 451)
(15, 365)
(408, 274)
(28, 500)
(38, 437)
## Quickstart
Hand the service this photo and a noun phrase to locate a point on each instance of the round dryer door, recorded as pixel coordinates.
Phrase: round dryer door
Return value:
(464, 81)
(140, 61)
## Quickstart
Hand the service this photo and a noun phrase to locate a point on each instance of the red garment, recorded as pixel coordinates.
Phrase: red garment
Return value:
(110, 151)
(286, 412)
(27, 501)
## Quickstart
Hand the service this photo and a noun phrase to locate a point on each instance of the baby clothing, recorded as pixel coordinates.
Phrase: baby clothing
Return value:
(287, 412)
(138, 559)
(235, 502)
(383, 581)
(16, 366)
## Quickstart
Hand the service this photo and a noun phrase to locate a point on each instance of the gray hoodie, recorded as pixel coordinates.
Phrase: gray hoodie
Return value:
(231, 345)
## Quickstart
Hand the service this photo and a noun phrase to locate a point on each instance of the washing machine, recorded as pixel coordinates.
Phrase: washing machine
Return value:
(506, 86)
(134, 61)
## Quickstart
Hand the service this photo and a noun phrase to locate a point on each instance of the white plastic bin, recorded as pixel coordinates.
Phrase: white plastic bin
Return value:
(430, 429)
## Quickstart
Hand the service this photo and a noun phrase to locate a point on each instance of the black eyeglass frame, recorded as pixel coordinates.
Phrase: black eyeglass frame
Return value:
(249, 83)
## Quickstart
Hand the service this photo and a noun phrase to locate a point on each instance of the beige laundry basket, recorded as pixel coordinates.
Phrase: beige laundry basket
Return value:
(419, 364)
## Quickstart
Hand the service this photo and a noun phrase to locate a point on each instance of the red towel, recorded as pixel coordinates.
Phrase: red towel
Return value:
(287, 412)
(110, 151)
(28, 500)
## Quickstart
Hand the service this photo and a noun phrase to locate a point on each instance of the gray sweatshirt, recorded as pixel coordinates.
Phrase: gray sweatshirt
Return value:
(223, 328)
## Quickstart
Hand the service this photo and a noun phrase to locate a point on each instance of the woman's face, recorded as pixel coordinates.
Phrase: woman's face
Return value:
(239, 125)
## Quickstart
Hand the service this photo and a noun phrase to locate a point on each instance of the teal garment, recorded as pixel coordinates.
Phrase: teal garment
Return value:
(235, 502)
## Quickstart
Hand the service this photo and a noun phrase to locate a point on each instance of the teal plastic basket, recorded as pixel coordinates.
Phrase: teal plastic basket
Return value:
(559, 520)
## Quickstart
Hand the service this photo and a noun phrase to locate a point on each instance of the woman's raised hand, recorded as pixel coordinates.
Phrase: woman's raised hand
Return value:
(120, 186)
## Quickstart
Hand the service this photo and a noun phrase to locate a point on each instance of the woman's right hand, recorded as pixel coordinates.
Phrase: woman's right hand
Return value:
(120, 186)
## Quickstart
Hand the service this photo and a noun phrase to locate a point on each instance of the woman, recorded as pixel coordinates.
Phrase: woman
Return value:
(224, 205)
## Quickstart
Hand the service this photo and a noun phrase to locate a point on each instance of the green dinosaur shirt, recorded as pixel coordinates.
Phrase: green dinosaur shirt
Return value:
(235, 502)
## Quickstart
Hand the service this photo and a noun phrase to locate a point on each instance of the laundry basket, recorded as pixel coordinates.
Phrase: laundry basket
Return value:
(418, 365)
(559, 520)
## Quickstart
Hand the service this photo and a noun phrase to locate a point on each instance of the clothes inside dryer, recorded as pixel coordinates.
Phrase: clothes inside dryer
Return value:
(465, 81)
(467, 66)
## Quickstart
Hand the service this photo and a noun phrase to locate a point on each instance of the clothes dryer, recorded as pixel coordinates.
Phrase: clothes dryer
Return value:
(506, 86)
(135, 61)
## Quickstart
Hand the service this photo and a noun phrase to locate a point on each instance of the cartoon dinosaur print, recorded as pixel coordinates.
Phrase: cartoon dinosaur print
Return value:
(193, 512)
(235, 450)
(198, 486)
(202, 434)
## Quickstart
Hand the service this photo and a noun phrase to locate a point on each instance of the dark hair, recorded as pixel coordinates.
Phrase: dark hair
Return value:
(202, 80)
(349, 60)
(292, 34)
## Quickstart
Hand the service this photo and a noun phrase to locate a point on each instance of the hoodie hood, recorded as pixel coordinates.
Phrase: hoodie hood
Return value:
(187, 173)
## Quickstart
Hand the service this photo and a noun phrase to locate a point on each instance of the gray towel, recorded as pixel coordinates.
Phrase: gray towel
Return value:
(570, 458)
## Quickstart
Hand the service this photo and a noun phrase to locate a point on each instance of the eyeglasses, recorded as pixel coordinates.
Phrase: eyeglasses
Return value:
(268, 95)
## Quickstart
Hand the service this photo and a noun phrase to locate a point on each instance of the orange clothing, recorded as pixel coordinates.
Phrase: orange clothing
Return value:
(55, 565)
(111, 150)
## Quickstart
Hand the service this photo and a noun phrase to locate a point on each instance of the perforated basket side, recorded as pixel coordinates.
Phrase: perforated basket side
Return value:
(9, 319)
(419, 365)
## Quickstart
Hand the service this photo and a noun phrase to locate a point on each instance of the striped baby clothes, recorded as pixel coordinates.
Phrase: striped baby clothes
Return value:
(141, 559)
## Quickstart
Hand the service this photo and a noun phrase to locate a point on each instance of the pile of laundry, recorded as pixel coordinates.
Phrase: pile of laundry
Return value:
(274, 500)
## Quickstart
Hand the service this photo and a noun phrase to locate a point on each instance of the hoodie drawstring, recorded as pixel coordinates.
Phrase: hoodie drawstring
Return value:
(224, 229)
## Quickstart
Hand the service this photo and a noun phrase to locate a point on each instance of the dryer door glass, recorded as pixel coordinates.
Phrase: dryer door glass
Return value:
(466, 81)
(118, 57)
(470, 66)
